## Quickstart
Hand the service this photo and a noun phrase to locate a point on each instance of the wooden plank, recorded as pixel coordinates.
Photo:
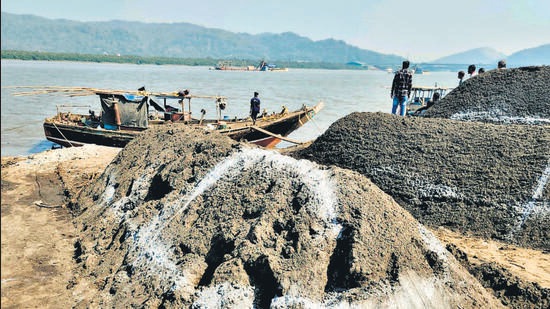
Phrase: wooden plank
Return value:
(276, 135)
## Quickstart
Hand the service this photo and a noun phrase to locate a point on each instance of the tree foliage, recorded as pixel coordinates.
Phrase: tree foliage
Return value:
(50, 56)
(174, 40)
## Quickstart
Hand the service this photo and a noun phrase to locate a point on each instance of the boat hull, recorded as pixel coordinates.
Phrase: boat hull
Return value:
(69, 135)
(281, 128)
(266, 133)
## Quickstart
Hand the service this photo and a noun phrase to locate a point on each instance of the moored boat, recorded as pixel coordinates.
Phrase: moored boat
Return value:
(125, 114)
(262, 66)
(228, 66)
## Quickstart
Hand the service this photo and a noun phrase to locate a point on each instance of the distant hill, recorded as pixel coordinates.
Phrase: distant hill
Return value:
(32, 33)
(532, 56)
(483, 55)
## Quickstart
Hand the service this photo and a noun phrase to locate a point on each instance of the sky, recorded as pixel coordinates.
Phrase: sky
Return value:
(420, 30)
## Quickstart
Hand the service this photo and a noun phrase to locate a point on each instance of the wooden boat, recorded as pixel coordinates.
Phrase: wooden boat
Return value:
(262, 66)
(228, 66)
(124, 115)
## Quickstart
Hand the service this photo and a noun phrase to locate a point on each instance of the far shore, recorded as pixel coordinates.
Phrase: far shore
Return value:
(209, 62)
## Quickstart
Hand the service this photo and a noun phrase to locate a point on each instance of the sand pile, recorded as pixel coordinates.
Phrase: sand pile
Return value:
(475, 176)
(183, 218)
(517, 95)
(486, 179)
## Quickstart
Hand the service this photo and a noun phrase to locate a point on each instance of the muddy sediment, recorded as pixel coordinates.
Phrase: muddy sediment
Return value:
(478, 163)
(513, 291)
(37, 232)
(206, 222)
(459, 166)
(479, 178)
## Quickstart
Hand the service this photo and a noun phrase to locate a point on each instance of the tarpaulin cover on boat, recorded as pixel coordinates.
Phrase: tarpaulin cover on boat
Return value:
(132, 110)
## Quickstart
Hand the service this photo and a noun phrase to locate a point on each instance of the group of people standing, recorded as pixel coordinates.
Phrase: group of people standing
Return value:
(472, 71)
(400, 90)
(402, 85)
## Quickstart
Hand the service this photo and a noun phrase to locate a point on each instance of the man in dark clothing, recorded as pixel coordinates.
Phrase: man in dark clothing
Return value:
(254, 107)
(461, 75)
(472, 70)
(401, 89)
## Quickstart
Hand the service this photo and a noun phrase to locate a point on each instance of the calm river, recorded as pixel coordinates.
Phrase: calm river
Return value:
(343, 91)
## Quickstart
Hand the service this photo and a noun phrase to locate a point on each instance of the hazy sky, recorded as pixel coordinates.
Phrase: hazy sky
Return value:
(421, 30)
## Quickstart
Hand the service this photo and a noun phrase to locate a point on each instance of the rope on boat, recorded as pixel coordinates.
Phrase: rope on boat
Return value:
(276, 135)
(314, 122)
(68, 141)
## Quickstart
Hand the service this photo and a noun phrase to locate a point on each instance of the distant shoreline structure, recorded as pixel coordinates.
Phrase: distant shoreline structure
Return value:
(210, 62)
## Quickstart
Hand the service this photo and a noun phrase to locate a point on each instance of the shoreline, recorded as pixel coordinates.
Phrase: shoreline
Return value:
(38, 233)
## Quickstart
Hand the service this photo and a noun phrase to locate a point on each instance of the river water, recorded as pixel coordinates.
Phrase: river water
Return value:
(342, 91)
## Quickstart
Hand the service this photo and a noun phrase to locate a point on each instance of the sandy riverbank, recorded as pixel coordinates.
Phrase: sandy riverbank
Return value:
(38, 233)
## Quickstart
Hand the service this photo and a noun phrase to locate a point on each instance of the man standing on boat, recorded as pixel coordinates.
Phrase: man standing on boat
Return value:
(401, 88)
(254, 107)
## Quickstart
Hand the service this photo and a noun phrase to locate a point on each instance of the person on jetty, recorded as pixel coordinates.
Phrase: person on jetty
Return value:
(254, 107)
(401, 88)
(461, 75)
(501, 65)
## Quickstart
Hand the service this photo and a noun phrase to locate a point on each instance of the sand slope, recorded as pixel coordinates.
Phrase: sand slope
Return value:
(204, 221)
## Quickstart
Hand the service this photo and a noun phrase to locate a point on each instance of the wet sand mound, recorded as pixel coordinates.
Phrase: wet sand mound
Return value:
(183, 218)
(517, 95)
(486, 179)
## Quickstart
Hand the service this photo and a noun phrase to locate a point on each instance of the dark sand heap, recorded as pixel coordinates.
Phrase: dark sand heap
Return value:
(473, 177)
(190, 219)
(517, 95)
(485, 179)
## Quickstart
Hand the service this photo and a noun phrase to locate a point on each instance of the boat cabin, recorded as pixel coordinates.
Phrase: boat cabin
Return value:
(421, 96)
(131, 111)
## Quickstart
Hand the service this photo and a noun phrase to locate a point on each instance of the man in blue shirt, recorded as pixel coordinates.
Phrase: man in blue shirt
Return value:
(254, 107)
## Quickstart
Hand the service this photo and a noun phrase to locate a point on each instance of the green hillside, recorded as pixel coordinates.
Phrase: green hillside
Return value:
(174, 40)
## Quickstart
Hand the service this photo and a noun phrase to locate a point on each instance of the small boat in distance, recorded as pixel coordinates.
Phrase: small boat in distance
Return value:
(227, 65)
(125, 114)
(263, 66)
